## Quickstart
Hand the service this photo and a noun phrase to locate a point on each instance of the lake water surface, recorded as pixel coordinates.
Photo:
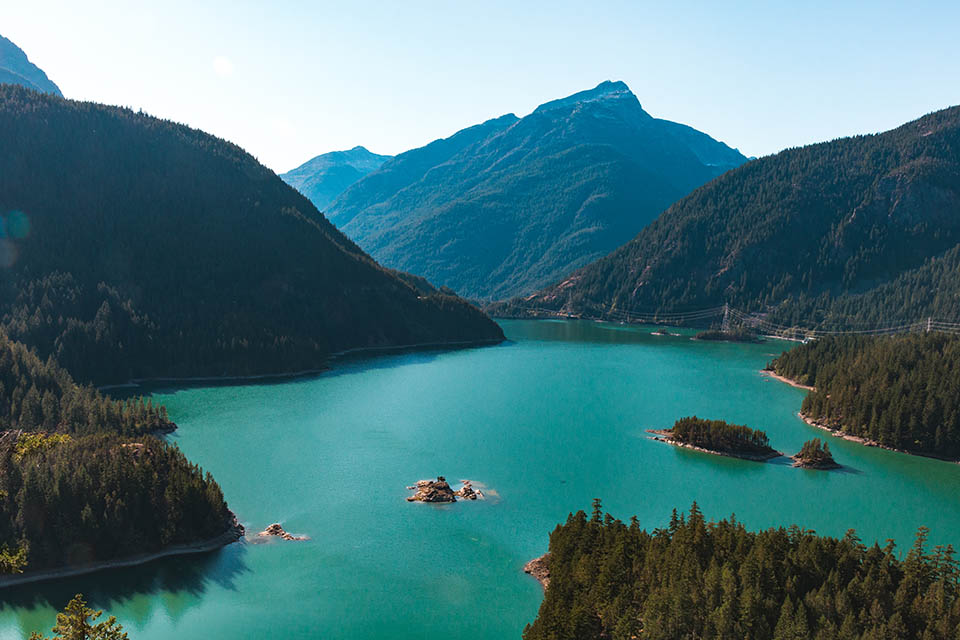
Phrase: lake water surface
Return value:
(548, 421)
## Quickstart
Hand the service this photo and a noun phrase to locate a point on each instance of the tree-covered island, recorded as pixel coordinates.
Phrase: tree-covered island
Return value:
(815, 455)
(719, 437)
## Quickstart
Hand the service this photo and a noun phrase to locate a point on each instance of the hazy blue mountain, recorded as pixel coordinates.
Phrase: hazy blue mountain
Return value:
(16, 68)
(861, 231)
(327, 176)
(512, 204)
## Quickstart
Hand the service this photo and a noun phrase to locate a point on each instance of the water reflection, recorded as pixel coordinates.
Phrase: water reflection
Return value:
(171, 586)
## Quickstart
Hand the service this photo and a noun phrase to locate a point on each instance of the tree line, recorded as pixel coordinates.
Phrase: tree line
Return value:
(81, 477)
(696, 579)
(718, 435)
(900, 391)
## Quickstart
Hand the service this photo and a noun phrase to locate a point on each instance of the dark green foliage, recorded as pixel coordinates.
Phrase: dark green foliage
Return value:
(78, 622)
(134, 248)
(717, 435)
(326, 176)
(41, 396)
(81, 479)
(510, 205)
(99, 497)
(716, 580)
(810, 235)
(815, 453)
(899, 391)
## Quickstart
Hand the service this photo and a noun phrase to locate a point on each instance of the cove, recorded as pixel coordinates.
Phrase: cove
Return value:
(547, 421)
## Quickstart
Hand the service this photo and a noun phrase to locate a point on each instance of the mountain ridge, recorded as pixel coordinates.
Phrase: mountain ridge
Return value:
(322, 178)
(809, 235)
(509, 204)
(16, 68)
(139, 248)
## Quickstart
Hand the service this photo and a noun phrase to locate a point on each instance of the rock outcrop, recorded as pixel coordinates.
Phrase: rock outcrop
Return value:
(276, 530)
(439, 490)
(539, 568)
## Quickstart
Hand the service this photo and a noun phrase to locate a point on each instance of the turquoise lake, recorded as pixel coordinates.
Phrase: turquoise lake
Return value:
(547, 421)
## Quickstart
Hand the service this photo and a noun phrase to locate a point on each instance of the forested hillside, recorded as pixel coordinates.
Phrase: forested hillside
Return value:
(857, 230)
(81, 477)
(899, 391)
(699, 579)
(133, 247)
(512, 204)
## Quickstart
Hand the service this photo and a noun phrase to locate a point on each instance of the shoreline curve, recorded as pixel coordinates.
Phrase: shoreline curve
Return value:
(234, 533)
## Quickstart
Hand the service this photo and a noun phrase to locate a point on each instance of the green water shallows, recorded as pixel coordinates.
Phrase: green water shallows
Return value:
(548, 421)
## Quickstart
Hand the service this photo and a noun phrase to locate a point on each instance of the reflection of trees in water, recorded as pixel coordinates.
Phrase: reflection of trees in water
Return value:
(179, 582)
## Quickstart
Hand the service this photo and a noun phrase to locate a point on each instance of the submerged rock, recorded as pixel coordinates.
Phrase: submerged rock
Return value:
(439, 490)
(276, 530)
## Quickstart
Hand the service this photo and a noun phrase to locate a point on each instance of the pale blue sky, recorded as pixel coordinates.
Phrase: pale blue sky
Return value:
(289, 79)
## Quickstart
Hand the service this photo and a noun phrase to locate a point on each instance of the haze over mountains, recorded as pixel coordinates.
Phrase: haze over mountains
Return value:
(862, 231)
(512, 204)
(326, 176)
(133, 247)
(16, 68)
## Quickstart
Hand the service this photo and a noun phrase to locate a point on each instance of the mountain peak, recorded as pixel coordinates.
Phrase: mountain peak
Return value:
(606, 90)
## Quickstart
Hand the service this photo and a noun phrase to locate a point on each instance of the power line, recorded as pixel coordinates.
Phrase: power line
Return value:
(731, 315)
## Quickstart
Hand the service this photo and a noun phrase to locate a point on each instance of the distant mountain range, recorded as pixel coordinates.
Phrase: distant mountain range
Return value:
(863, 231)
(326, 176)
(132, 247)
(508, 206)
(16, 68)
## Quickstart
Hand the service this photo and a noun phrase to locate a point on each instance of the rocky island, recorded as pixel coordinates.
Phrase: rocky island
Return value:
(718, 437)
(814, 455)
(277, 531)
(439, 490)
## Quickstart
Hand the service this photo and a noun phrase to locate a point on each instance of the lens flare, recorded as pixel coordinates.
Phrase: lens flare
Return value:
(8, 253)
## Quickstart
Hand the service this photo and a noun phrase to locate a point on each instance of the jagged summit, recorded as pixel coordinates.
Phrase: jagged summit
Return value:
(607, 90)
(504, 207)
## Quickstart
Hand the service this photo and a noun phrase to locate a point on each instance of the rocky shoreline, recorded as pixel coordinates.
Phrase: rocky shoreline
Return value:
(663, 435)
(792, 383)
(836, 433)
(820, 466)
(539, 568)
(234, 532)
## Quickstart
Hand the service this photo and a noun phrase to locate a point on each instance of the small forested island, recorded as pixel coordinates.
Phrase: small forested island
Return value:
(719, 437)
(84, 483)
(897, 392)
(815, 455)
(732, 335)
(700, 579)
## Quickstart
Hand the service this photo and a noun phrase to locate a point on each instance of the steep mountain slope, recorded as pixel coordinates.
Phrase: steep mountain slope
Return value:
(326, 176)
(855, 230)
(15, 68)
(135, 247)
(509, 205)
